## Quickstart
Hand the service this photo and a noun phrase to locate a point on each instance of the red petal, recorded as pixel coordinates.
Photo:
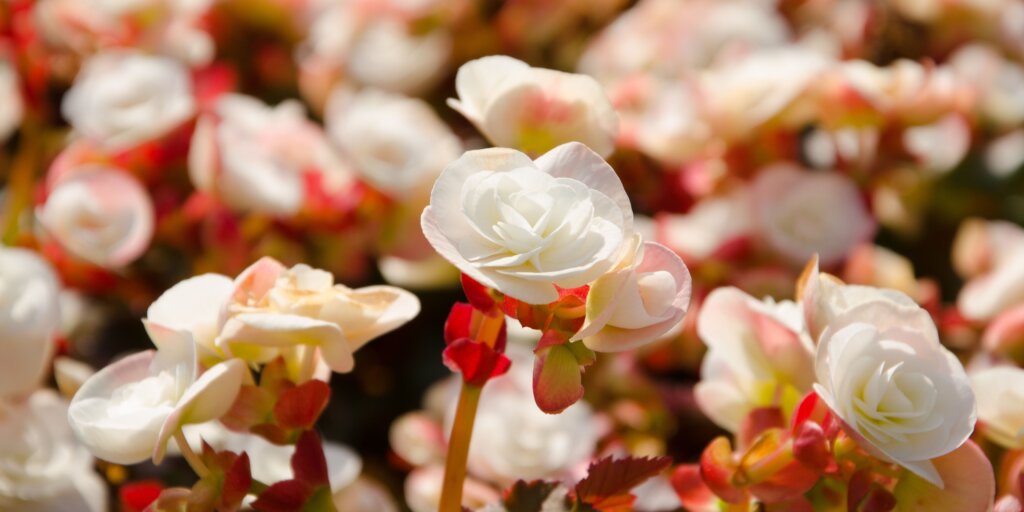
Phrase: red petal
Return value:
(477, 362)
(458, 322)
(479, 296)
(308, 462)
(693, 492)
(717, 469)
(136, 496)
(301, 406)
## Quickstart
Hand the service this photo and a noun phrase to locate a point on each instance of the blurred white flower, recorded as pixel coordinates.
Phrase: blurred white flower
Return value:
(128, 411)
(42, 467)
(534, 109)
(256, 157)
(522, 227)
(712, 224)
(989, 255)
(999, 391)
(905, 398)
(396, 143)
(123, 98)
(799, 214)
(757, 351)
(644, 297)
(423, 490)
(10, 98)
(997, 81)
(100, 214)
(29, 317)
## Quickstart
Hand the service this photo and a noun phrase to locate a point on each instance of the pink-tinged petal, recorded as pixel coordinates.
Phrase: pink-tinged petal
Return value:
(257, 336)
(208, 398)
(193, 305)
(965, 483)
(257, 279)
(1008, 503)
(1005, 335)
(479, 81)
(576, 161)
(693, 493)
(202, 155)
(417, 438)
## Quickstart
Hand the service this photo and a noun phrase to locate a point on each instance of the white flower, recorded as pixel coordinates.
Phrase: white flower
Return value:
(642, 299)
(100, 214)
(390, 55)
(899, 392)
(712, 224)
(757, 352)
(29, 317)
(122, 98)
(255, 157)
(10, 98)
(42, 467)
(397, 143)
(522, 227)
(799, 214)
(127, 412)
(534, 109)
(999, 391)
(990, 255)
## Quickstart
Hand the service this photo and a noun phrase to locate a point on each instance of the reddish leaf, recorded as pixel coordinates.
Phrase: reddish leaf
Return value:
(690, 487)
(479, 296)
(477, 362)
(527, 496)
(458, 322)
(137, 496)
(557, 379)
(308, 462)
(252, 406)
(237, 481)
(301, 406)
(610, 477)
(286, 496)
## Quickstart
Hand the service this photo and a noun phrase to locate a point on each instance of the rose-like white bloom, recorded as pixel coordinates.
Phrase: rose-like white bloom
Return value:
(990, 254)
(799, 214)
(396, 143)
(998, 82)
(639, 301)
(42, 467)
(255, 157)
(269, 310)
(999, 391)
(755, 348)
(127, 412)
(523, 442)
(100, 214)
(10, 98)
(121, 99)
(29, 316)
(712, 224)
(522, 227)
(882, 370)
(534, 109)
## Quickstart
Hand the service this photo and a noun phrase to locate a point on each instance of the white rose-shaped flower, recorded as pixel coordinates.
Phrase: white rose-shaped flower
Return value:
(122, 99)
(397, 143)
(42, 467)
(534, 109)
(755, 349)
(897, 390)
(102, 215)
(256, 157)
(799, 214)
(522, 227)
(127, 412)
(29, 317)
(638, 302)
(999, 391)
(300, 313)
(523, 442)
(10, 98)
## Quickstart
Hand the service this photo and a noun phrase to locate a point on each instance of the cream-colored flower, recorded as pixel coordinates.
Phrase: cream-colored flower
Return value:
(999, 391)
(534, 109)
(522, 227)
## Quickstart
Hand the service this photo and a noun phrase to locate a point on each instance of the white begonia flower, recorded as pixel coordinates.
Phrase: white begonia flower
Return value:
(905, 398)
(668, 123)
(799, 214)
(639, 301)
(292, 312)
(388, 54)
(998, 83)
(10, 98)
(758, 351)
(999, 391)
(523, 442)
(941, 146)
(100, 214)
(522, 227)
(29, 317)
(990, 255)
(534, 109)
(121, 99)
(397, 143)
(127, 411)
(42, 467)
(255, 157)
(710, 225)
